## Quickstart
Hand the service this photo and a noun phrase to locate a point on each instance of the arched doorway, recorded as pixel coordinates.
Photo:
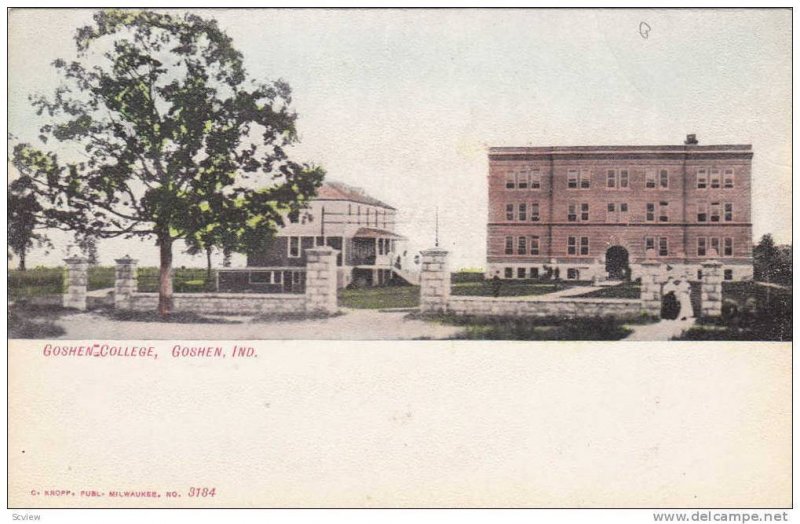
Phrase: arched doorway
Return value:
(617, 263)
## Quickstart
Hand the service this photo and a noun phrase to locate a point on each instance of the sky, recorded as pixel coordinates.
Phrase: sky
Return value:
(405, 103)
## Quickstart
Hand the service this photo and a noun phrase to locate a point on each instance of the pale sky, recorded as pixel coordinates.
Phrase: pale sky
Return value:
(405, 103)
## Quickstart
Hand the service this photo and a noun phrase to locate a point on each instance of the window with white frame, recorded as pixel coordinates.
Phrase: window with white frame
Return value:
(714, 241)
(522, 212)
(584, 245)
(534, 211)
(520, 272)
(650, 179)
(727, 247)
(663, 179)
(715, 211)
(572, 179)
(611, 212)
(611, 179)
(702, 212)
(508, 272)
(509, 246)
(701, 246)
(623, 211)
(586, 177)
(572, 213)
(522, 180)
(522, 245)
(623, 179)
(650, 212)
(294, 247)
(573, 273)
(536, 180)
(728, 178)
(663, 211)
(534, 245)
(715, 179)
(649, 243)
(702, 179)
(584, 211)
(572, 246)
(511, 181)
(663, 246)
(728, 209)
(509, 212)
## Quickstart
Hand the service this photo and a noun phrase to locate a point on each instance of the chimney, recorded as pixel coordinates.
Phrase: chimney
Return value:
(691, 140)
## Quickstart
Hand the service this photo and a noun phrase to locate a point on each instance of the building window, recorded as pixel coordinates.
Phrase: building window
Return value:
(611, 180)
(536, 180)
(701, 246)
(727, 247)
(586, 177)
(623, 179)
(522, 180)
(510, 181)
(702, 179)
(650, 214)
(294, 247)
(522, 214)
(702, 212)
(535, 212)
(534, 272)
(699, 274)
(584, 212)
(728, 179)
(509, 245)
(715, 211)
(649, 243)
(509, 272)
(728, 212)
(584, 245)
(573, 274)
(319, 241)
(715, 246)
(509, 212)
(663, 211)
(572, 214)
(728, 274)
(611, 212)
(663, 179)
(572, 179)
(623, 212)
(534, 245)
(520, 272)
(650, 179)
(522, 245)
(663, 246)
(715, 181)
(572, 246)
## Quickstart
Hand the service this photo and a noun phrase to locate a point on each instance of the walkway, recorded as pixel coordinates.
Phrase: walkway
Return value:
(663, 330)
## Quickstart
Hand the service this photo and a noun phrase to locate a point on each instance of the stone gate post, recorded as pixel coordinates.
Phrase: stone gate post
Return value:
(711, 290)
(434, 281)
(321, 280)
(125, 283)
(77, 278)
(651, 286)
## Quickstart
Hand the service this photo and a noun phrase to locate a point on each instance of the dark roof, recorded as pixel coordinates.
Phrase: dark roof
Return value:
(331, 190)
(370, 232)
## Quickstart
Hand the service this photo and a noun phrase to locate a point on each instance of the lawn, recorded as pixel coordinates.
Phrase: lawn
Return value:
(626, 290)
(749, 312)
(380, 297)
(508, 288)
(547, 328)
(36, 282)
(101, 277)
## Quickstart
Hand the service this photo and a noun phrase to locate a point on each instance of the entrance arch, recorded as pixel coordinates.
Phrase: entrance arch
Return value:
(617, 263)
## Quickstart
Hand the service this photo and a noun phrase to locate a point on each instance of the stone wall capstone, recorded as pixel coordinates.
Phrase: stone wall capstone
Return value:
(434, 281)
(77, 278)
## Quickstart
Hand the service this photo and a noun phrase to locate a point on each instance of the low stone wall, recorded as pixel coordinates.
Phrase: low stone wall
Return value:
(566, 307)
(223, 303)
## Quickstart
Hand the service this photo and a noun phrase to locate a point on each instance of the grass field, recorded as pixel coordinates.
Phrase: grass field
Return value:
(626, 290)
(36, 282)
(508, 288)
(380, 297)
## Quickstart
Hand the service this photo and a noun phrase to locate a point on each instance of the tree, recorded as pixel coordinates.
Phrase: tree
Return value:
(772, 263)
(24, 218)
(177, 140)
(88, 246)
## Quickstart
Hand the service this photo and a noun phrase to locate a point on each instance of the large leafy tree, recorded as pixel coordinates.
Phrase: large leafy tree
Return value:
(176, 139)
(24, 220)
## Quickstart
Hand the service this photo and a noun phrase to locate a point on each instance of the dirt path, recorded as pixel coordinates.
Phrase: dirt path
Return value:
(355, 324)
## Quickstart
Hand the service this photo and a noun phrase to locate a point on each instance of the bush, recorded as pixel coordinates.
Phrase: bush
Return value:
(36, 282)
(466, 276)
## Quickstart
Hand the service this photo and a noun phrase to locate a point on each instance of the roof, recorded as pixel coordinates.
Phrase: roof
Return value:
(370, 232)
(519, 153)
(331, 190)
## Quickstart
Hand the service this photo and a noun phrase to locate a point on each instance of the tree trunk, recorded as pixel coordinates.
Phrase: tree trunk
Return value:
(208, 265)
(165, 277)
(22, 260)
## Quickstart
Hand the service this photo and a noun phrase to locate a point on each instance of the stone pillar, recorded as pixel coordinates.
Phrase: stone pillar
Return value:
(651, 286)
(711, 290)
(434, 281)
(77, 277)
(321, 280)
(124, 282)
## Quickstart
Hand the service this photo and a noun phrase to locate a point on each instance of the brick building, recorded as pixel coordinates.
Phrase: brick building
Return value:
(587, 213)
(361, 228)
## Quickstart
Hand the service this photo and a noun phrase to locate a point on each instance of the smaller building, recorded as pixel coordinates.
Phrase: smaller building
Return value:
(360, 227)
